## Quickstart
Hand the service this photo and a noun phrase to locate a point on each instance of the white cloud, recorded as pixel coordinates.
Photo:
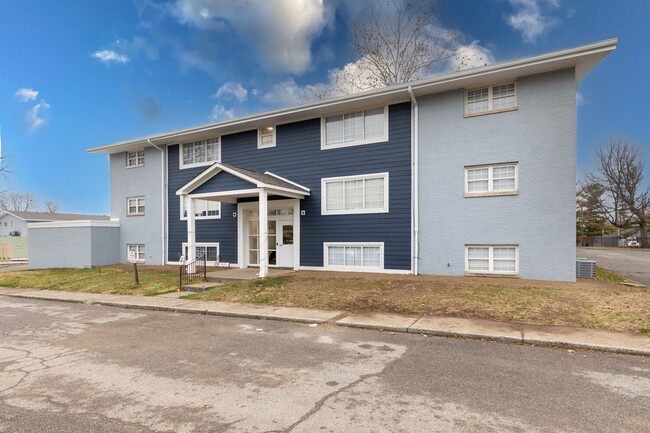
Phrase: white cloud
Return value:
(26, 95)
(471, 56)
(134, 47)
(232, 89)
(109, 56)
(530, 18)
(580, 98)
(34, 116)
(219, 112)
(281, 30)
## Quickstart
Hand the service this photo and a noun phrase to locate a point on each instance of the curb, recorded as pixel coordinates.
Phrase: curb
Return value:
(339, 320)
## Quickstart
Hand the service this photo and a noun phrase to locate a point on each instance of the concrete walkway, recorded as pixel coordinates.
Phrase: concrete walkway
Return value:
(575, 338)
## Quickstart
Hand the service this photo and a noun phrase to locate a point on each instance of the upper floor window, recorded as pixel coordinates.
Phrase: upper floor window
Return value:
(200, 152)
(266, 137)
(135, 159)
(490, 99)
(498, 179)
(355, 194)
(135, 206)
(351, 129)
(203, 209)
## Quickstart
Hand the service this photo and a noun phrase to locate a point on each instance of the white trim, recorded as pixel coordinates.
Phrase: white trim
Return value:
(323, 128)
(323, 193)
(491, 270)
(490, 191)
(137, 205)
(326, 264)
(287, 181)
(415, 182)
(207, 217)
(136, 165)
(259, 137)
(252, 191)
(77, 223)
(490, 99)
(183, 166)
(204, 244)
(360, 269)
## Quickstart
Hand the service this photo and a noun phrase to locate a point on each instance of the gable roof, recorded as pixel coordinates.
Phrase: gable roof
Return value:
(257, 179)
(582, 58)
(47, 216)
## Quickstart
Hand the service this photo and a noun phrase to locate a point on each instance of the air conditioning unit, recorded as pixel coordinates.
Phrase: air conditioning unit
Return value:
(585, 268)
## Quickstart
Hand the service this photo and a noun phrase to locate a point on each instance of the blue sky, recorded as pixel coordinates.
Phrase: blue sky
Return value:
(75, 75)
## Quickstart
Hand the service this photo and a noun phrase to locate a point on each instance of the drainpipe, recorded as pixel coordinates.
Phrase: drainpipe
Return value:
(415, 134)
(163, 196)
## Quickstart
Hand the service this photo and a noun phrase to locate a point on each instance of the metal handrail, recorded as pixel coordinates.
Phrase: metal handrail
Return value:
(193, 272)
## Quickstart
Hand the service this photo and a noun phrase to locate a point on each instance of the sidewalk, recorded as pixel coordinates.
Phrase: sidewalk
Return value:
(575, 338)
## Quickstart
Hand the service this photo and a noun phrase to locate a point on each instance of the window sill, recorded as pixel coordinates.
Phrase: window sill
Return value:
(484, 113)
(490, 194)
(135, 166)
(268, 146)
(203, 218)
(134, 214)
(200, 164)
(489, 274)
(325, 146)
(353, 212)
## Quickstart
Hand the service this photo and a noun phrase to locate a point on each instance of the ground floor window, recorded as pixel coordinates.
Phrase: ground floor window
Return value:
(354, 255)
(137, 250)
(492, 259)
(208, 250)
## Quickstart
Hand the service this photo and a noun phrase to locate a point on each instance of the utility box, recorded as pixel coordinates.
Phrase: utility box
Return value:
(585, 268)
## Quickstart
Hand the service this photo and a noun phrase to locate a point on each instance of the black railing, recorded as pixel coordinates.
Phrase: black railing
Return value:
(193, 272)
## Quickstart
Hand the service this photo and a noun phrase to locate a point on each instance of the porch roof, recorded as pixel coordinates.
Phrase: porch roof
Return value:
(272, 183)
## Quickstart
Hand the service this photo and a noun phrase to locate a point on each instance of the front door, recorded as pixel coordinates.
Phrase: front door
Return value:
(284, 240)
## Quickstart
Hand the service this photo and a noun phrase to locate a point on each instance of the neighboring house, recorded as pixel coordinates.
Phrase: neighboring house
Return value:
(467, 173)
(14, 227)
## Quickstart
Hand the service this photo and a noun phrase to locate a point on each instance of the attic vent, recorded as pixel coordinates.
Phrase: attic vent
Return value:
(585, 268)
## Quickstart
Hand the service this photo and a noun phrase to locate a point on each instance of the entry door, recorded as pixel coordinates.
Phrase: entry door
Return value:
(284, 241)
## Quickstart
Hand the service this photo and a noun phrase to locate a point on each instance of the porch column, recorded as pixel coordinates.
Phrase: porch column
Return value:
(191, 229)
(264, 234)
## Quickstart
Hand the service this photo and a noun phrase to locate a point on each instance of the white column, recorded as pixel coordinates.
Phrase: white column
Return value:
(264, 234)
(191, 229)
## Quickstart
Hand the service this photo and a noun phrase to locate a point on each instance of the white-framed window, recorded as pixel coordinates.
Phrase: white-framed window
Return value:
(353, 255)
(351, 129)
(489, 99)
(203, 209)
(200, 152)
(266, 137)
(208, 249)
(354, 194)
(492, 259)
(138, 250)
(496, 179)
(134, 206)
(135, 159)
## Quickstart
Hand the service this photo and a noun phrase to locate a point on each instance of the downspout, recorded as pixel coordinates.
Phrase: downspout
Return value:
(415, 134)
(163, 196)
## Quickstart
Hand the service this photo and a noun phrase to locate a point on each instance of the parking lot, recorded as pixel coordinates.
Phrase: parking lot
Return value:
(633, 263)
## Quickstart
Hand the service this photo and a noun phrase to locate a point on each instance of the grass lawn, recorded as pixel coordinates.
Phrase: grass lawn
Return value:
(601, 303)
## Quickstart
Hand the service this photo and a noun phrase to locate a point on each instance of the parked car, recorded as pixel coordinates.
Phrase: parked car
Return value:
(633, 244)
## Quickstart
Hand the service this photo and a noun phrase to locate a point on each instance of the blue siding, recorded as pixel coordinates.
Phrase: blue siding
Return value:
(298, 157)
(224, 182)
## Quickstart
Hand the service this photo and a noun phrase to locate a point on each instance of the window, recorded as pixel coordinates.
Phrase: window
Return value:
(209, 250)
(203, 209)
(492, 259)
(201, 152)
(135, 159)
(135, 206)
(354, 194)
(266, 137)
(138, 249)
(362, 127)
(485, 180)
(491, 99)
(354, 255)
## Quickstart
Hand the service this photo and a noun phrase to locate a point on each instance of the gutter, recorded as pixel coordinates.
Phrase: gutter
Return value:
(415, 134)
(162, 201)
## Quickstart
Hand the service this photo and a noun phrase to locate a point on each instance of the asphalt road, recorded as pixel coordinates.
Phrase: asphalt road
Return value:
(630, 262)
(80, 368)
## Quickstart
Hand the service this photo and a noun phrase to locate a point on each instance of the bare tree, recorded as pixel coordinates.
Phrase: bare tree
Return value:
(396, 42)
(623, 200)
(18, 202)
(51, 206)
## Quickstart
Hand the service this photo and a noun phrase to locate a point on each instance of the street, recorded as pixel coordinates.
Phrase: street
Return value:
(633, 263)
(82, 368)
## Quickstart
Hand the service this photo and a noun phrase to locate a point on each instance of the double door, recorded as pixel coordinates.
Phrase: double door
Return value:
(280, 243)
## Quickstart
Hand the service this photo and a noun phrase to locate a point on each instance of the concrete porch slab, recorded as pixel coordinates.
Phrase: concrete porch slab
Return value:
(383, 321)
(471, 328)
